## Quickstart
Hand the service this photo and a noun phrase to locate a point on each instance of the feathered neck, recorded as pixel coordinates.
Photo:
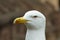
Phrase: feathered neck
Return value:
(35, 34)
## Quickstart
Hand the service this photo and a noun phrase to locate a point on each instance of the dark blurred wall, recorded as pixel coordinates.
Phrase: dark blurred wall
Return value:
(10, 9)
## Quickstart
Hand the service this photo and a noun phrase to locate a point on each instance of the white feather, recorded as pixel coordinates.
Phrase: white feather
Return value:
(36, 26)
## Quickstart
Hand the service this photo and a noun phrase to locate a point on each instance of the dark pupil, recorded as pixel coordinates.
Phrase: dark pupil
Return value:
(35, 16)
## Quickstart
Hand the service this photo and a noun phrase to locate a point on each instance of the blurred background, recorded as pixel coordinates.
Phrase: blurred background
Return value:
(11, 9)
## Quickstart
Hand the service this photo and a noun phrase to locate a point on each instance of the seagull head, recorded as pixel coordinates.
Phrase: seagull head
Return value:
(32, 19)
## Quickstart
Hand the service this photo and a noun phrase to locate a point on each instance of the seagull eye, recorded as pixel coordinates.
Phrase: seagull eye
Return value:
(34, 16)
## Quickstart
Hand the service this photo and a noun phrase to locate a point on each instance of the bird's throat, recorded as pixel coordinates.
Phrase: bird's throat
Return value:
(35, 34)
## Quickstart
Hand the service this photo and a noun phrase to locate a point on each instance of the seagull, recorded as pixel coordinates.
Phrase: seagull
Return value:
(35, 23)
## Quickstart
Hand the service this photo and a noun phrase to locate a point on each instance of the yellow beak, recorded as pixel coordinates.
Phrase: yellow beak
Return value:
(20, 20)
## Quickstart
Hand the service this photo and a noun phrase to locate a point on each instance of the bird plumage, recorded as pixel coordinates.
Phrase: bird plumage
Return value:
(35, 22)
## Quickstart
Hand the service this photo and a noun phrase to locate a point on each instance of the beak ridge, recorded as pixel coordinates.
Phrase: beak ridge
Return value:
(20, 20)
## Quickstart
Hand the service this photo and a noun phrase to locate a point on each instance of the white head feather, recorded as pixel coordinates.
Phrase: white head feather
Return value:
(36, 25)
